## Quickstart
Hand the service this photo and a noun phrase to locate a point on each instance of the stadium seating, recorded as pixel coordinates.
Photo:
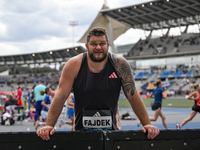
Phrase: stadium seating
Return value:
(178, 73)
(165, 74)
(190, 42)
(140, 75)
(42, 80)
(149, 75)
(190, 72)
(166, 45)
(167, 84)
(3, 80)
(145, 85)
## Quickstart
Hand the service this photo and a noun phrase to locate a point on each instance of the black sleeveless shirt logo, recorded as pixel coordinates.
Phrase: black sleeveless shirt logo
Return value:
(97, 91)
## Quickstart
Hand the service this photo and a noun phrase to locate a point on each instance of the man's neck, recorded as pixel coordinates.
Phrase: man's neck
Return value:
(96, 67)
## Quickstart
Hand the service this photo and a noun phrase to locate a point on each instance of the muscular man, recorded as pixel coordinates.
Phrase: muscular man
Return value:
(96, 77)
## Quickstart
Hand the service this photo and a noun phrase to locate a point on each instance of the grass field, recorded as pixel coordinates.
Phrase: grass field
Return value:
(175, 103)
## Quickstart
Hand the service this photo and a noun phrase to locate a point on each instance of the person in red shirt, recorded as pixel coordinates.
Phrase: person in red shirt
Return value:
(19, 95)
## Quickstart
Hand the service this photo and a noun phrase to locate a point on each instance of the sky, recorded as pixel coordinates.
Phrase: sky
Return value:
(28, 26)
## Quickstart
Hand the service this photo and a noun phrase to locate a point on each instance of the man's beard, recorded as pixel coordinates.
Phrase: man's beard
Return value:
(93, 58)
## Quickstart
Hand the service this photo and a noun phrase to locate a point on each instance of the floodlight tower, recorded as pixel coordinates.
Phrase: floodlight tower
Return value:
(73, 24)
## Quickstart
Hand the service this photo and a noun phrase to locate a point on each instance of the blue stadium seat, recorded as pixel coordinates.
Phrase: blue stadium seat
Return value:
(145, 85)
(140, 75)
(178, 73)
(190, 73)
(3, 80)
(165, 74)
(150, 74)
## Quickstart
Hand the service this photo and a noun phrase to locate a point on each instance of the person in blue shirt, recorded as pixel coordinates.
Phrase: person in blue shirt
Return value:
(38, 90)
(158, 94)
(46, 104)
(70, 111)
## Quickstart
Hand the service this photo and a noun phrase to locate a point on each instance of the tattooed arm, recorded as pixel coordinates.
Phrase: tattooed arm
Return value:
(124, 71)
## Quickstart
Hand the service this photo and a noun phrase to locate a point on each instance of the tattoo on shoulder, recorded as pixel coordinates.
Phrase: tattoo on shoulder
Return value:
(124, 71)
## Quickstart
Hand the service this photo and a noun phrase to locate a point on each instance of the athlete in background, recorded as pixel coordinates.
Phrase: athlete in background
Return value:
(158, 93)
(196, 108)
(70, 111)
(46, 104)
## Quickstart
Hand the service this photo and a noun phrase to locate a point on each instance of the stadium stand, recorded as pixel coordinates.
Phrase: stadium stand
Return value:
(190, 72)
(176, 83)
(166, 45)
(149, 75)
(189, 42)
(140, 75)
(144, 75)
(165, 74)
(178, 73)
(48, 57)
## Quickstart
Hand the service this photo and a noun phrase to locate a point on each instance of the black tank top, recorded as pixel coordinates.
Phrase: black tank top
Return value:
(97, 91)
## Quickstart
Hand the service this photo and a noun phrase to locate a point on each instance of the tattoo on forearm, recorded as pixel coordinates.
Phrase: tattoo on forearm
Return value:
(124, 71)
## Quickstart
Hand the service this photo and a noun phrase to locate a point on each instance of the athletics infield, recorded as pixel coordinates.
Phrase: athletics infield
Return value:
(173, 116)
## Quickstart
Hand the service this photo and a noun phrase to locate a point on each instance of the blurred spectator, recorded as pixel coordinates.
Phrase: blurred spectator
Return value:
(176, 44)
(11, 101)
(19, 95)
(187, 80)
(26, 99)
(39, 98)
(150, 46)
(184, 71)
(168, 41)
(5, 98)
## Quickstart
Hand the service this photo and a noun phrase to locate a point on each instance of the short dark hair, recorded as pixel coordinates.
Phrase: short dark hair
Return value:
(97, 31)
(18, 84)
(46, 91)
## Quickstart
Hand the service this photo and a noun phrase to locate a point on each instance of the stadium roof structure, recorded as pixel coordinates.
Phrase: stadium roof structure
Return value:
(114, 27)
(51, 56)
(157, 14)
(101, 21)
